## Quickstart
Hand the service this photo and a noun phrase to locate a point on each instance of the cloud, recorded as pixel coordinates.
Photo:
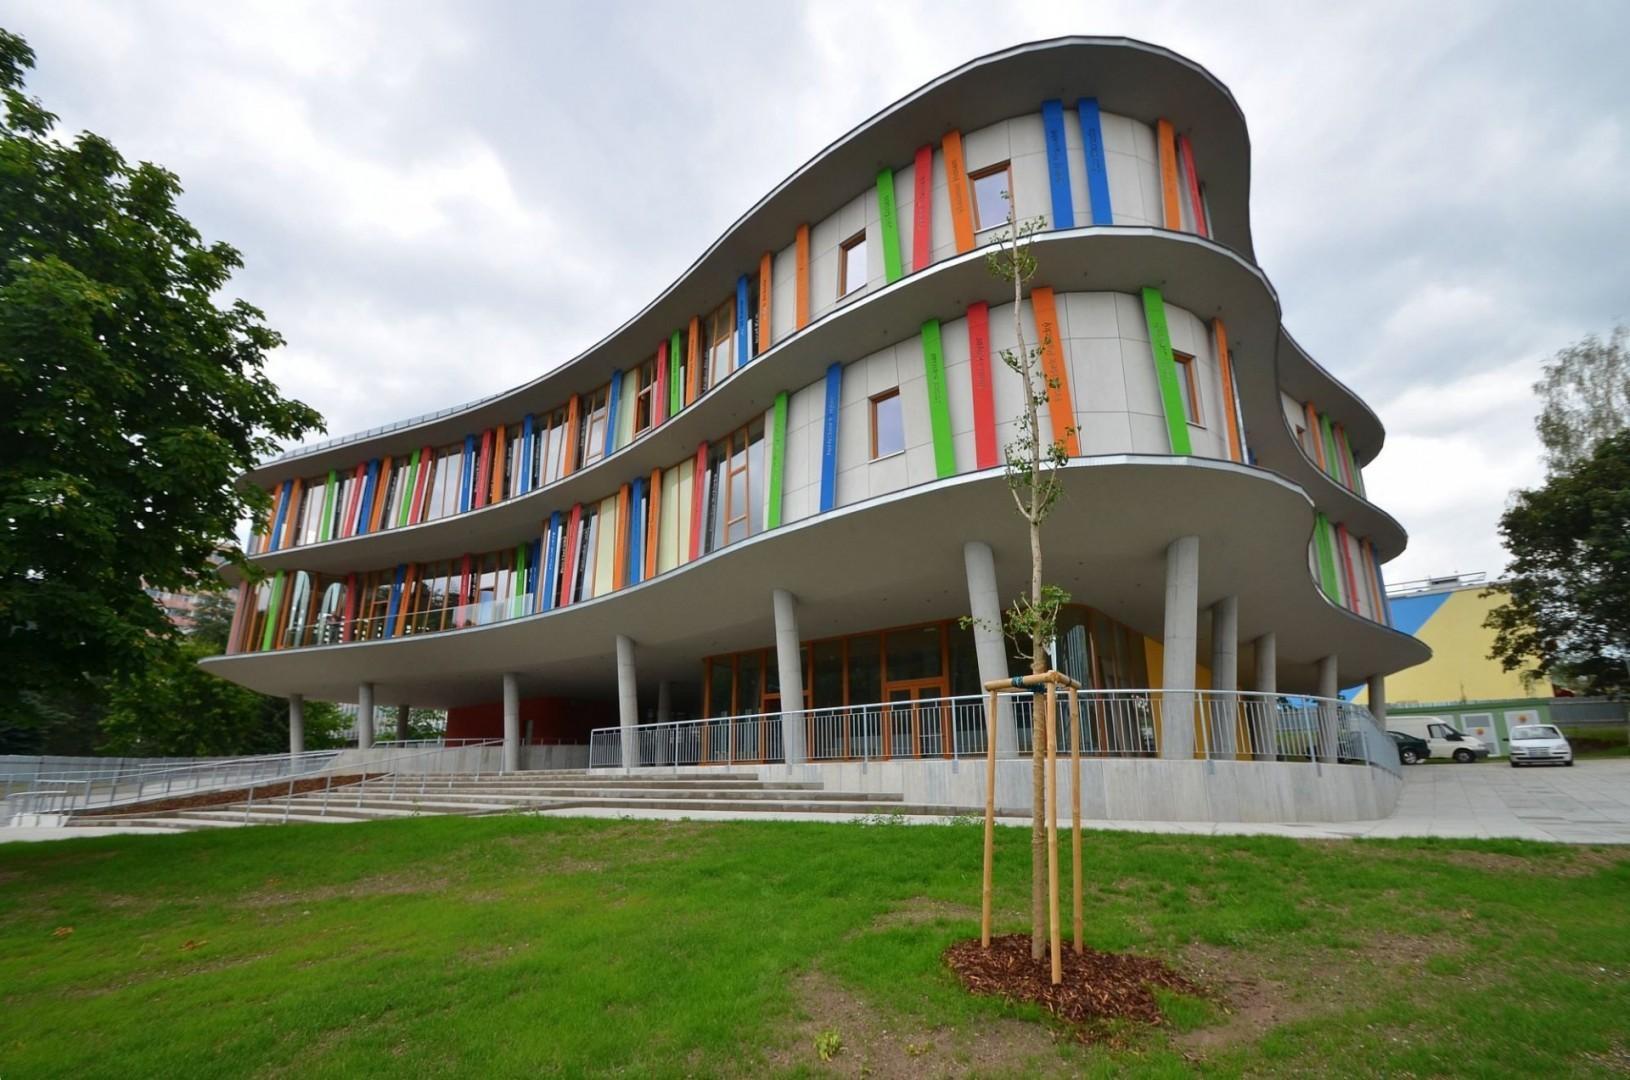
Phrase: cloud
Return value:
(438, 201)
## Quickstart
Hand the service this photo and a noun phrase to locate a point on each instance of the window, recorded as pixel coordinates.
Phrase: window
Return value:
(1188, 387)
(720, 341)
(852, 264)
(734, 491)
(593, 445)
(888, 424)
(645, 399)
(991, 188)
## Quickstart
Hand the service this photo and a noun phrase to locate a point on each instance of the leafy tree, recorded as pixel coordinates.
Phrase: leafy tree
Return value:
(172, 707)
(130, 401)
(1586, 394)
(1567, 609)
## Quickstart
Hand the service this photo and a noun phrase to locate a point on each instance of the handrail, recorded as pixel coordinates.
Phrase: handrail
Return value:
(1224, 725)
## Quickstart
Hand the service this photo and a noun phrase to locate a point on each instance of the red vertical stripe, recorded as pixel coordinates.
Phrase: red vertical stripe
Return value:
(237, 617)
(1347, 567)
(659, 407)
(569, 560)
(922, 208)
(350, 606)
(619, 545)
(348, 522)
(653, 523)
(984, 399)
(697, 505)
(1192, 182)
(483, 470)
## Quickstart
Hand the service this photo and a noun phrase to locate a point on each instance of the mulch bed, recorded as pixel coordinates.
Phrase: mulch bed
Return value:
(1097, 986)
(221, 798)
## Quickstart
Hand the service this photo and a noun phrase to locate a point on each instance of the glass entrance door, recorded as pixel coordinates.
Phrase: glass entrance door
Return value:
(916, 723)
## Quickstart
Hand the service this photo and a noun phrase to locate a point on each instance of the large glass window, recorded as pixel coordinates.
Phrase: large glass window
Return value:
(991, 188)
(735, 484)
(914, 653)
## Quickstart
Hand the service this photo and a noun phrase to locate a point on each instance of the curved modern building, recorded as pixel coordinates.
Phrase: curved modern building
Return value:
(780, 484)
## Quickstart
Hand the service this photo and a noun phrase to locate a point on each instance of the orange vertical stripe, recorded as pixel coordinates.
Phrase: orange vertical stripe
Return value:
(291, 528)
(500, 456)
(653, 524)
(956, 178)
(801, 261)
(381, 488)
(1059, 407)
(763, 302)
(619, 558)
(569, 466)
(403, 603)
(1225, 363)
(694, 376)
(1315, 434)
(1167, 141)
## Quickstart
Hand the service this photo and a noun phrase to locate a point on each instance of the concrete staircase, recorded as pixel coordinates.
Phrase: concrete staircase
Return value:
(722, 796)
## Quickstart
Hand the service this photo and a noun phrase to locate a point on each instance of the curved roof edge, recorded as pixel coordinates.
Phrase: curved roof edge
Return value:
(1129, 77)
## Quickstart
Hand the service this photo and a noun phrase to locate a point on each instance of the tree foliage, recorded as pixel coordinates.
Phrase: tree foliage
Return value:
(130, 400)
(1567, 593)
(1586, 395)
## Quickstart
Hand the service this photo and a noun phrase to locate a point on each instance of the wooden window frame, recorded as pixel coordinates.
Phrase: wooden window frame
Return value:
(844, 285)
(871, 411)
(1185, 371)
(645, 398)
(973, 192)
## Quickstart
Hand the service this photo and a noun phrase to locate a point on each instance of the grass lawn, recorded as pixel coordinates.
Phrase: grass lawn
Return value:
(1599, 741)
(518, 946)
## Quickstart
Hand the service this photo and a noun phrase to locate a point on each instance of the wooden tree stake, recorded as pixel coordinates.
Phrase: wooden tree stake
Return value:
(1075, 809)
(1051, 788)
(990, 817)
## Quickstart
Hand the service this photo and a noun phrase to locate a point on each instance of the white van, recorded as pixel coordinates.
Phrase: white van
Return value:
(1446, 740)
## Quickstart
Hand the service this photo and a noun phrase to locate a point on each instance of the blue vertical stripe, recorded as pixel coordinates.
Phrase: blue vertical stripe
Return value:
(282, 512)
(636, 547)
(1092, 147)
(743, 348)
(1058, 163)
(551, 554)
(466, 474)
(612, 400)
(396, 601)
(829, 437)
(369, 485)
(521, 487)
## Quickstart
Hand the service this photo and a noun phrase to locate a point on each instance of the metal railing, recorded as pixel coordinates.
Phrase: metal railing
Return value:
(1215, 725)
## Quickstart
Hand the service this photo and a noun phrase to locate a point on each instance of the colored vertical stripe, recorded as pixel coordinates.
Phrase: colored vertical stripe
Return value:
(743, 345)
(619, 568)
(1225, 364)
(922, 208)
(421, 497)
(268, 636)
(365, 508)
(528, 429)
(330, 493)
(376, 515)
(1060, 406)
(1172, 209)
(659, 394)
(551, 559)
(765, 337)
(1343, 539)
(1328, 442)
(1384, 608)
(1058, 163)
(350, 607)
(636, 534)
(983, 391)
(1171, 396)
(829, 437)
(939, 400)
(778, 461)
(956, 188)
(1344, 454)
(483, 471)
(574, 416)
(697, 484)
(291, 528)
(888, 223)
(800, 263)
(693, 383)
(500, 460)
(1355, 474)
(676, 366)
(1313, 434)
(410, 480)
(653, 524)
(1191, 183)
(1324, 542)
(1092, 148)
(573, 528)
(275, 540)
(353, 501)
(240, 611)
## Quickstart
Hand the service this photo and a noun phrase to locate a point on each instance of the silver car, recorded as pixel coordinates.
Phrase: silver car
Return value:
(1539, 744)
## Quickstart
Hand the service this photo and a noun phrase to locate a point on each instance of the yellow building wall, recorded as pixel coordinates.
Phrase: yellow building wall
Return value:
(1460, 668)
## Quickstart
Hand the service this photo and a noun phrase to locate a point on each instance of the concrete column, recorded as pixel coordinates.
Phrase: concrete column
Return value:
(1329, 690)
(297, 723)
(512, 723)
(985, 605)
(402, 713)
(664, 701)
(628, 701)
(1223, 716)
(1181, 644)
(1378, 699)
(365, 716)
(1266, 649)
(791, 669)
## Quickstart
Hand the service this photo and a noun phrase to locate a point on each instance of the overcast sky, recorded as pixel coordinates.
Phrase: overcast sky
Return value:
(437, 201)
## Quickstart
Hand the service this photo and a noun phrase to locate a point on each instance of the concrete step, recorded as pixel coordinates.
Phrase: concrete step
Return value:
(862, 807)
(157, 824)
(503, 784)
(501, 799)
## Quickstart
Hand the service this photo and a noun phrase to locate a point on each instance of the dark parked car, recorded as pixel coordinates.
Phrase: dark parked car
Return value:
(1411, 751)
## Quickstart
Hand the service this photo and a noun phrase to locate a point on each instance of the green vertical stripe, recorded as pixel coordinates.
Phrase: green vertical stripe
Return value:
(517, 584)
(1352, 461)
(326, 531)
(939, 400)
(1324, 539)
(1332, 460)
(1171, 396)
(412, 477)
(675, 398)
(778, 460)
(889, 223)
(268, 636)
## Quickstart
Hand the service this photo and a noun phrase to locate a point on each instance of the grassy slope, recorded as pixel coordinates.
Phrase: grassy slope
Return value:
(511, 945)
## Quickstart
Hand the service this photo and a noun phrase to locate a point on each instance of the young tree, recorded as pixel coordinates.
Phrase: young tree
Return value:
(130, 401)
(1032, 465)
(1586, 391)
(1567, 609)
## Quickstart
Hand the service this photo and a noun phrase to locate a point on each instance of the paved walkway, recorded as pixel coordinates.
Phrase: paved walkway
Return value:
(1587, 804)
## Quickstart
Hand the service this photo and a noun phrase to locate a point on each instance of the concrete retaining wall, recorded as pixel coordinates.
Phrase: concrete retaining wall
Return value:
(459, 759)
